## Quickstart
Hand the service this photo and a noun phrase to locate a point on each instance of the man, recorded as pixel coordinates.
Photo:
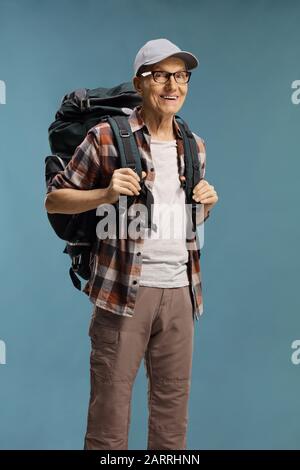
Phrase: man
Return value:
(146, 292)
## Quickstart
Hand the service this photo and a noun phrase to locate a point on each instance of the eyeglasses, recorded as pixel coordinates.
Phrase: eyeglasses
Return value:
(181, 77)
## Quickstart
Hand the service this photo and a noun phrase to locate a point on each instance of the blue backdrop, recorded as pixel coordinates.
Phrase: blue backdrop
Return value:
(245, 385)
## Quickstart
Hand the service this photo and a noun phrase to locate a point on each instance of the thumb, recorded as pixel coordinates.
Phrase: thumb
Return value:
(144, 174)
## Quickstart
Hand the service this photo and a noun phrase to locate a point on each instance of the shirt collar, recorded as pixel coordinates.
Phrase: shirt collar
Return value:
(136, 122)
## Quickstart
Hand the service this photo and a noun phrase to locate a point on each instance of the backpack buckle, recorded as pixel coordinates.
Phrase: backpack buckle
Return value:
(76, 260)
(85, 104)
(124, 133)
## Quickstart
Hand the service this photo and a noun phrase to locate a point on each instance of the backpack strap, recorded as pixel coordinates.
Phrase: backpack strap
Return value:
(192, 165)
(130, 157)
(129, 152)
(191, 160)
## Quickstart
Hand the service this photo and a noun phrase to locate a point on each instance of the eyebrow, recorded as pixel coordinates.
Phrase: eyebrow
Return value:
(162, 70)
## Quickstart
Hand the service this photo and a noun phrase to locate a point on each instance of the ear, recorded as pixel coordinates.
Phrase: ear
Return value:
(136, 84)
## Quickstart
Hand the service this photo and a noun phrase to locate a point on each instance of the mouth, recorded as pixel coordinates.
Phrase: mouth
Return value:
(170, 98)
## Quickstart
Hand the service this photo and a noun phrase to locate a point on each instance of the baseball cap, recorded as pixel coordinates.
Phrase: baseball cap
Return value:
(159, 49)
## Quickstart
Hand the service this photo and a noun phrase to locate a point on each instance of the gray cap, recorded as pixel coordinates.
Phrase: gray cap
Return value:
(159, 49)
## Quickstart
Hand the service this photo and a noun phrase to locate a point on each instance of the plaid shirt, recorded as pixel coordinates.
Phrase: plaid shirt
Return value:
(116, 263)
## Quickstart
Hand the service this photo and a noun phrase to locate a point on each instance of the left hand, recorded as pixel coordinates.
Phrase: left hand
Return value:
(205, 193)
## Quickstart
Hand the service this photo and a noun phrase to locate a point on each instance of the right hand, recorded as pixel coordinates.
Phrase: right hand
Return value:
(124, 181)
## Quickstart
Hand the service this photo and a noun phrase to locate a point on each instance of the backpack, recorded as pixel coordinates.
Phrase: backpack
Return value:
(81, 110)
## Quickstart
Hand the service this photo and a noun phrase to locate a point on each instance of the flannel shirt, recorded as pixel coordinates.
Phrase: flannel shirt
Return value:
(116, 263)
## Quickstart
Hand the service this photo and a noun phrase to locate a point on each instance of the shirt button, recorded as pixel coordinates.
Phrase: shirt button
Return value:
(139, 253)
(152, 169)
(134, 282)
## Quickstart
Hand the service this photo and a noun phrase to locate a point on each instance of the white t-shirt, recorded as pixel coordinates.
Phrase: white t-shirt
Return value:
(164, 253)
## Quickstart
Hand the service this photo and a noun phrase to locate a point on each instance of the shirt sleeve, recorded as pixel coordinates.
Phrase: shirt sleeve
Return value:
(202, 161)
(83, 170)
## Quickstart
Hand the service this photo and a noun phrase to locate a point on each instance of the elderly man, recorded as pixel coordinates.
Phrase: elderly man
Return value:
(146, 292)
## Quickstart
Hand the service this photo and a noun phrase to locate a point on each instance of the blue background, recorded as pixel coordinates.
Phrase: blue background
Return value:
(245, 389)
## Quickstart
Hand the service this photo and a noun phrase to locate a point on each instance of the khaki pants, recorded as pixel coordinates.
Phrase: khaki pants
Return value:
(161, 331)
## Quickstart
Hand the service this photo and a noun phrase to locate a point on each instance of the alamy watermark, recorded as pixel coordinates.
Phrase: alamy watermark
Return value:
(295, 96)
(295, 357)
(2, 352)
(2, 92)
(168, 221)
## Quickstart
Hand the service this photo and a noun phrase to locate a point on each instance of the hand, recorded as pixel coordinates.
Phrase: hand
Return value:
(205, 193)
(123, 181)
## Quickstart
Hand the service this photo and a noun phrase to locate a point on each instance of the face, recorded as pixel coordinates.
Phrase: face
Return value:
(152, 92)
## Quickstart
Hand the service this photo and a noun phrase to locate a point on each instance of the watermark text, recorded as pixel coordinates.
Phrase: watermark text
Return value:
(2, 92)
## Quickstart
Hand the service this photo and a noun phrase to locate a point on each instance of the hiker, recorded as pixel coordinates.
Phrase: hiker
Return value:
(146, 292)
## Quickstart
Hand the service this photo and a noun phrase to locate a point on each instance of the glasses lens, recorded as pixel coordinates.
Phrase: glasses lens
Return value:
(161, 77)
(182, 77)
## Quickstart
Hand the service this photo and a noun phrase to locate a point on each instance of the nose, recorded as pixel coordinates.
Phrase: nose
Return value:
(171, 83)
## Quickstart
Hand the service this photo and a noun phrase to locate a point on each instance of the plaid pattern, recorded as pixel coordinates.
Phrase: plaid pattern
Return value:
(116, 263)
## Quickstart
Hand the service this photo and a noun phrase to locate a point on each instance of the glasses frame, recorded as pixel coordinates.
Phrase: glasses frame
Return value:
(152, 72)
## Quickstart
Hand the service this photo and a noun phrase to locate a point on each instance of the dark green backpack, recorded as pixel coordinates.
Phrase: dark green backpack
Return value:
(81, 110)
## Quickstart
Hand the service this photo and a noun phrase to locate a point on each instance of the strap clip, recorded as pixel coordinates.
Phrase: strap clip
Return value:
(124, 133)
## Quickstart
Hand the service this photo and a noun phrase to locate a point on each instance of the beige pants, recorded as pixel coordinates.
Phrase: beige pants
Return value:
(161, 331)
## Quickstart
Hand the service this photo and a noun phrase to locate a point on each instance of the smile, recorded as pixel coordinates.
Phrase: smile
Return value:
(169, 98)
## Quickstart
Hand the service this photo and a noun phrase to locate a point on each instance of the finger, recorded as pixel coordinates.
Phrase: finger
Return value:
(203, 193)
(123, 190)
(201, 197)
(207, 189)
(208, 200)
(130, 186)
(130, 179)
(200, 185)
(128, 171)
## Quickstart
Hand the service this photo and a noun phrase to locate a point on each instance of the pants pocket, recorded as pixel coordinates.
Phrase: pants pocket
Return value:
(105, 343)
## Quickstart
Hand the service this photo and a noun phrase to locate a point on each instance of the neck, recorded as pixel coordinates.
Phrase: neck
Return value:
(159, 126)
